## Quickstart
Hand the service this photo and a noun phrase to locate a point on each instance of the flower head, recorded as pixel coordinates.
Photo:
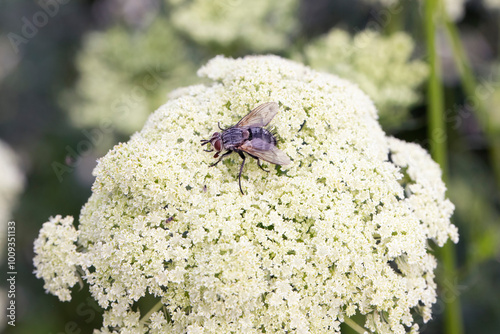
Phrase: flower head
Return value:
(125, 74)
(343, 229)
(380, 65)
(56, 258)
(232, 24)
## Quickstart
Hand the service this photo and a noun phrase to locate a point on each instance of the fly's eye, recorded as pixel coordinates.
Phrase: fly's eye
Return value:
(218, 145)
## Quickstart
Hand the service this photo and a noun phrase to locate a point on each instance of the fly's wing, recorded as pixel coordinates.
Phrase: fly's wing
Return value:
(265, 151)
(260, 116)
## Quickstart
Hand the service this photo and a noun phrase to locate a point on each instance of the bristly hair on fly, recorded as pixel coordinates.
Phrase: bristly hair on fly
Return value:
(272, 130)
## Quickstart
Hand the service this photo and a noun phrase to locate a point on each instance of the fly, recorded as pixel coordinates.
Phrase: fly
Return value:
(249, 136)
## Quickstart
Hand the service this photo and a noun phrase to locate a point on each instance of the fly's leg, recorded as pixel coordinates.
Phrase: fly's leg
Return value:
(258, 163)
(221, 157)
(241, 169)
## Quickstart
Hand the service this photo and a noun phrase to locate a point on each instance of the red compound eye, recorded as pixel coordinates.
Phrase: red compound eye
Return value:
(218, 145)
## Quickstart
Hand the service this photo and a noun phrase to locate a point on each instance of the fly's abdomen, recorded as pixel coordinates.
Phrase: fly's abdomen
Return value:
(263, 134)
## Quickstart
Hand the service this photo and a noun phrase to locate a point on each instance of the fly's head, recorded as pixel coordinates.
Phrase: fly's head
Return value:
(216, 142)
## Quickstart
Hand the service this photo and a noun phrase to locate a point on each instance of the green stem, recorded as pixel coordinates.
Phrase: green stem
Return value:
(155, 308)
(437, 131)
(349, 322)
(437, 136)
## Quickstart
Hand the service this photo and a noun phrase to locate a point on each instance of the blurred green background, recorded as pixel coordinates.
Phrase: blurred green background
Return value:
(77, 77)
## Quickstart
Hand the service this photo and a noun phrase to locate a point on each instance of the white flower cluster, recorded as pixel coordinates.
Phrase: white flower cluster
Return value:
(125, 74)
(380, 65)
(343, 230)
(56, 258)
(261, 25)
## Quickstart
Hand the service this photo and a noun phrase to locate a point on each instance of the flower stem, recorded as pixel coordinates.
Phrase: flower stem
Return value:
(437, 131)
(437, 135)
(351, 323)
(155, 308)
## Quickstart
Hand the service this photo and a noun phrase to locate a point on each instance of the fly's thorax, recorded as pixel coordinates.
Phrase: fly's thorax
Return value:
(263, 134)
(234, 137)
